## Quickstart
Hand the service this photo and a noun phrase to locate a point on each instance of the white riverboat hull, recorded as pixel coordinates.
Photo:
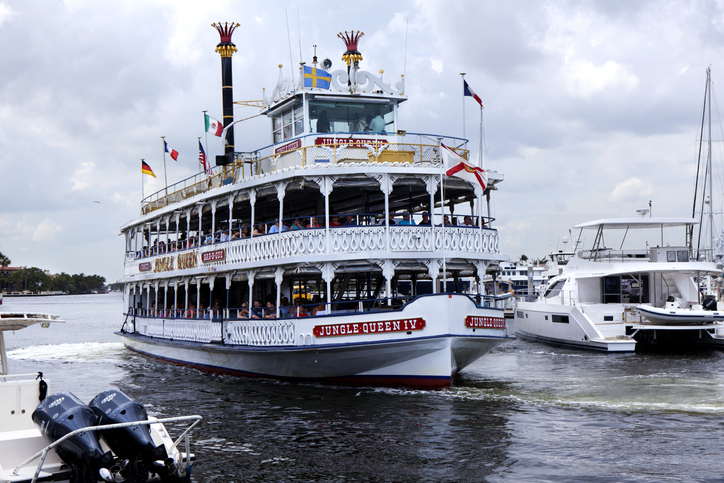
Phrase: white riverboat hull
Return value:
(426, 357)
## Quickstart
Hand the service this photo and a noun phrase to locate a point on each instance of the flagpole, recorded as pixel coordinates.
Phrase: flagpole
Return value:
(462, 74)
(206, 141)
(480, 164)
(165, 180)
(142, 161)
(442, 213)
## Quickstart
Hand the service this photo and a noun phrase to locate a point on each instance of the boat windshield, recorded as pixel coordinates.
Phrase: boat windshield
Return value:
(345, 117)
(555, 289)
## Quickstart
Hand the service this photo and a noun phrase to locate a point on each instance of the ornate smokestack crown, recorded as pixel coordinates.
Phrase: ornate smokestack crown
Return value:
(225, 48)
(350, 40)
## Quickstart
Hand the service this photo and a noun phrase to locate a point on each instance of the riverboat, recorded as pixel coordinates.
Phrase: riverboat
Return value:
(59, 438)
(326, 255)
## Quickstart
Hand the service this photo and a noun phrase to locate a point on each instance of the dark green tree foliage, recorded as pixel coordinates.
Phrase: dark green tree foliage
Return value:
(36, 280)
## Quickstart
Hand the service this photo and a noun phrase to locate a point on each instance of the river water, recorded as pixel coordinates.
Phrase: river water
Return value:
(525, 412)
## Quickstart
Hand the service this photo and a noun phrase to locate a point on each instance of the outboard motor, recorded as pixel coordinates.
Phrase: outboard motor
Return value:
(64, 413)
(132, 443)
(709, 304)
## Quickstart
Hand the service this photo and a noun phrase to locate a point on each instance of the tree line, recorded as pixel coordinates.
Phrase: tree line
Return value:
(35, 280)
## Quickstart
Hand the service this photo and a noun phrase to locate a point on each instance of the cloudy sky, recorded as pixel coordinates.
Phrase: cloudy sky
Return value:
(592, 108)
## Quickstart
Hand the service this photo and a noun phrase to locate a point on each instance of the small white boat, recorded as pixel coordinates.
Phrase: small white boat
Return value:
(672, 313)
(59, 438)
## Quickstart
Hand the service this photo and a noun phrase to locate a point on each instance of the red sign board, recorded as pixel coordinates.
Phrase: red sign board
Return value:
(289, 147)
(475, 322)
(364, 328)
(144, 267)
(214, 256)
(353, 143)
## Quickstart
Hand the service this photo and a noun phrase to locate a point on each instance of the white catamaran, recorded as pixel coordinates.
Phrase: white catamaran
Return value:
(325, 255)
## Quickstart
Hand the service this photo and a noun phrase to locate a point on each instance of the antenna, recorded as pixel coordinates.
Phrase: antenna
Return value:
(404, 62)
(299, 32)
(289, 38)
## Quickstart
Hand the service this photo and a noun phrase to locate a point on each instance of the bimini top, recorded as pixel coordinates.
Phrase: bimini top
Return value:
(624, 223)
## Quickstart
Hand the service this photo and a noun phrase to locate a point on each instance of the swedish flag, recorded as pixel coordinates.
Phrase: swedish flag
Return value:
(314, 77)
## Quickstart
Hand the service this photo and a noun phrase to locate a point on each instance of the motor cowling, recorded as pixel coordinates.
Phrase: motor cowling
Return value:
(63, 413)
(134, 442)
(709, 304)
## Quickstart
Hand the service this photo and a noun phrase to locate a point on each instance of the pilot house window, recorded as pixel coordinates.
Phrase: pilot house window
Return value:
(351, 117)
(288, 123)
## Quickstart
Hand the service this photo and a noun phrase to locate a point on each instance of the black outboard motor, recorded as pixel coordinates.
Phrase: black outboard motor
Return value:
(63, 413)
(709, 304)
(133, 443)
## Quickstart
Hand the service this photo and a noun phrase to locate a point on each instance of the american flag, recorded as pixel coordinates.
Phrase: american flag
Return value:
(202, 160)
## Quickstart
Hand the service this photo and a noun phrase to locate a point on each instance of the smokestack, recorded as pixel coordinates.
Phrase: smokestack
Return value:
(226, 49)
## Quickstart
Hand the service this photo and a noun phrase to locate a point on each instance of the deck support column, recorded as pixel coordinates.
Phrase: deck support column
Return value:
(252, 202)
(278, 278)
(199, 233)
(186, 297)
(175, 299)
(325, 187)
(231, 212)
(250, 280)
(386, 187)
(433, 269)
(327, 270)
(213, 220)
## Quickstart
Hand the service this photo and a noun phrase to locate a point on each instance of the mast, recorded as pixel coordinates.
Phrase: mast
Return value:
(711, 191)
(226, 49)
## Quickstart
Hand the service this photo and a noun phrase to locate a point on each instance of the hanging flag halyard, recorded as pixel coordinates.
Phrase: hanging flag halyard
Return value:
(468, 92)
(455, 165)
(146, 169)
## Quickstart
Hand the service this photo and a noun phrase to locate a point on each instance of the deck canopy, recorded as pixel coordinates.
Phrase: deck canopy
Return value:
(627, 223)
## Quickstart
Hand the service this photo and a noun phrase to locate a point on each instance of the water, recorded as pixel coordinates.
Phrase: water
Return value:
(525, 412)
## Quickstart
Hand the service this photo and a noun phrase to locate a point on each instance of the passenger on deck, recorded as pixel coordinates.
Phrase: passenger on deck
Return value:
(191, 312)
(236, 235)
(244, 312)
(259, 230)
(446, 220)
(270, 311)
(392, 220)
(275, 227)
(313, 222)
(348, 221)
(224, 236)
(256, 311)
(406, 220)
(425, 219)
(468, 221)
(297, 225)
(335, 221)
(216, 310)
(245, 232)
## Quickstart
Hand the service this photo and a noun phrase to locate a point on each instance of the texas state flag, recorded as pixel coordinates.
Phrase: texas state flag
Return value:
(172, 152)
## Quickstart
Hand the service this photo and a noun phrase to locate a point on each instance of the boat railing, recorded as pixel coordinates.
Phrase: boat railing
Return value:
(260, 326)
(307, 222)
(42, 454)
(617, 255)
(334, 149)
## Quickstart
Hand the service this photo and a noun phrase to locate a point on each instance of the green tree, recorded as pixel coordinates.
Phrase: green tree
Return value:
(4, 261)
(523, 258)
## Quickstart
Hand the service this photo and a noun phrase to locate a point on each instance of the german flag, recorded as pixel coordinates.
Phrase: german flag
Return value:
(146, 169)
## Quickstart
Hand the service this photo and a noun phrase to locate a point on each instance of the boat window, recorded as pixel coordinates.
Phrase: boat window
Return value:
(555, 289)
(682, 255)
(344, 117)
(626, 289)
(288, 123)
(560, 319)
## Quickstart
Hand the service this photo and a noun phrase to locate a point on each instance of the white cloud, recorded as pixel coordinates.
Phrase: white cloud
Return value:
(436, 65)
(83, 176)
(45, 231)
(5, 12)
(633, 189)
(583, 78)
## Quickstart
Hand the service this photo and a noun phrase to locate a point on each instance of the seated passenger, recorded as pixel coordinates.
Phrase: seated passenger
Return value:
(349, 221)
(275, 227)
(297, 225)
(313, 222)
(468, 221)
(236, 235)
(245, 232)
(191, 312)
(224, 236)
(256, 311)
(425, 219)
(406, 220)
(259, 230)
(270, 311)
(335, 221)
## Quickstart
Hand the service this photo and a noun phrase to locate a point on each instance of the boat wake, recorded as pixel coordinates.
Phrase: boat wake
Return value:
(77, 352)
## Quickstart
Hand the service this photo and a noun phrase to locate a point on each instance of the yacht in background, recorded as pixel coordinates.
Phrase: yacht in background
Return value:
(612, 298)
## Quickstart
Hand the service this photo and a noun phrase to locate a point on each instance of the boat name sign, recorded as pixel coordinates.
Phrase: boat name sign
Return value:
(476, 322)
(356, 328)
(163, 264)
(289, 147)
(144, 267)
(187, 260)
(353, 143)
(213, 256)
